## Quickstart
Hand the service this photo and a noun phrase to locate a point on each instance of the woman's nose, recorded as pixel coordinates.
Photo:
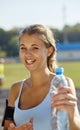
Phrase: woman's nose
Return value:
(28, 53)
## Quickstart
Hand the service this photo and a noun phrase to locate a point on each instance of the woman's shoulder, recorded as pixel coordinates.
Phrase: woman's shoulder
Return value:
(14, 91)
(71, 85)
(16, 86)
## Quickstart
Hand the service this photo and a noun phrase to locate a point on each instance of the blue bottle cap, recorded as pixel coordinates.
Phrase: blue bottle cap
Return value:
(59, 70)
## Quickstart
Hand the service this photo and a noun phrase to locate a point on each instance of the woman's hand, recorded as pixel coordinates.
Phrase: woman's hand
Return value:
(27, 126)
(66, 99)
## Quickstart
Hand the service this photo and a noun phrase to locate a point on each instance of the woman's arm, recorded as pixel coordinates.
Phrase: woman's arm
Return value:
(75, 118)
(9, 123)
(9, 110)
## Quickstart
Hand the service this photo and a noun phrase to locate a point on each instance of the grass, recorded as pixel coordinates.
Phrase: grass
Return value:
(17, 71)
(72, 70)
(13, 73)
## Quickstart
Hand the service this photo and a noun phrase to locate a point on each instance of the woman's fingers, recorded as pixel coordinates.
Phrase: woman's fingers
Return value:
(26, 126)
(65, 89)
(31, 120)
(63, 96)
(11, 126)
(64, 99)
(63, 102)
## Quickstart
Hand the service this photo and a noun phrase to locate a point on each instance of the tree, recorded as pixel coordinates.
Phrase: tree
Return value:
(12, 49)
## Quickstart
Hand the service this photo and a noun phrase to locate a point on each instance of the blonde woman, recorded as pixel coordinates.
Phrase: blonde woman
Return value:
(29, 103)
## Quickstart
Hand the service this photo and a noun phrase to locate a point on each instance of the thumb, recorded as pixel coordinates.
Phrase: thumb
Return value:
(12, 125)
(31, 120)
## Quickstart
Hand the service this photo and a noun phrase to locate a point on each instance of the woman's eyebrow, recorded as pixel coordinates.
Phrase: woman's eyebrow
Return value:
(21, 44)
(35, 45)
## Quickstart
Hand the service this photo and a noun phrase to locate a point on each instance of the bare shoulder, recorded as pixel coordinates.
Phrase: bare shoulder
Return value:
(70, 81)
(14, 91)
(71, 85)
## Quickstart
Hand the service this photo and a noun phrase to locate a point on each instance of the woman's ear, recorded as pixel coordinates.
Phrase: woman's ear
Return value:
(50, 50)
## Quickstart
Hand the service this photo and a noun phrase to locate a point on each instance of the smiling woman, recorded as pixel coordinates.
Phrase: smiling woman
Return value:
(29, 103)
(32, 51)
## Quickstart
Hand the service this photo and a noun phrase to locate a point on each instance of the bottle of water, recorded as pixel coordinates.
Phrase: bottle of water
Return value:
(59, 118)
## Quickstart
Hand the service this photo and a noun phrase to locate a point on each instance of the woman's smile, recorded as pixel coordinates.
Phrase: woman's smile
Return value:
(30, 62)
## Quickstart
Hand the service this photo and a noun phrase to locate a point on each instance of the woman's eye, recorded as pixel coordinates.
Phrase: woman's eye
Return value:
(22, 48)
(35, 48)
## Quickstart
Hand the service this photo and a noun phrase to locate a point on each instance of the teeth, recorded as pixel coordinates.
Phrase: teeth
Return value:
(30, 61)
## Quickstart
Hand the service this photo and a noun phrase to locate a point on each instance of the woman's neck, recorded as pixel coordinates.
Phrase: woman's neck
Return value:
(40, 77)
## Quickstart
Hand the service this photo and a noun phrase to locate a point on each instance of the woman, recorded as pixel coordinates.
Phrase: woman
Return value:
(29, 101)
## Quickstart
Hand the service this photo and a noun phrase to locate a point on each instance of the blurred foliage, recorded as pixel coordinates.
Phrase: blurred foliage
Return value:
(72, 33)
(9, 39)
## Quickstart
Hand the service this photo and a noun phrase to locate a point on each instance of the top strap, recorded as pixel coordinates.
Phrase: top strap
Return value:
(21, 88)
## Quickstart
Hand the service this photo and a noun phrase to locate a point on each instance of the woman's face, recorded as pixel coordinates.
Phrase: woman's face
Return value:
(33, 52)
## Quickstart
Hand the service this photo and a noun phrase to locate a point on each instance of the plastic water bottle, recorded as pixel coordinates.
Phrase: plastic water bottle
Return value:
(59, 118)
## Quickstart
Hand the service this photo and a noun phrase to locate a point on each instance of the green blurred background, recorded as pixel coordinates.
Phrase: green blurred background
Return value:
(17, 71)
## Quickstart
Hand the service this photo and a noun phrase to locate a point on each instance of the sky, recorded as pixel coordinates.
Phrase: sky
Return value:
(54, 13)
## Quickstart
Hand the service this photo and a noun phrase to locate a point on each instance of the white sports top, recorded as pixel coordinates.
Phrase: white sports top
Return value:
(41, 113)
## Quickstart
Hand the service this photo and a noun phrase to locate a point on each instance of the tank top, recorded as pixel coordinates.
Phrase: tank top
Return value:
(41, 113)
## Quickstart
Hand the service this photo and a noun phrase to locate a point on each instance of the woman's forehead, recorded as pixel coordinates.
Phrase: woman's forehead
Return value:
(31, 39)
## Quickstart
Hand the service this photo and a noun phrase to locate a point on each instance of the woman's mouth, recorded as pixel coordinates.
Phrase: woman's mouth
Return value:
(29, 62)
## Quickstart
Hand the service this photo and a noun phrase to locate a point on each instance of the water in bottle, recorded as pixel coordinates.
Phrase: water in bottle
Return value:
(59, 118)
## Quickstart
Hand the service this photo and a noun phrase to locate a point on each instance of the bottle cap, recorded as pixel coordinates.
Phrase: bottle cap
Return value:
(59, 70)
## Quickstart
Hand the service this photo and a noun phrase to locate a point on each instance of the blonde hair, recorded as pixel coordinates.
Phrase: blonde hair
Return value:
(46, 35)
